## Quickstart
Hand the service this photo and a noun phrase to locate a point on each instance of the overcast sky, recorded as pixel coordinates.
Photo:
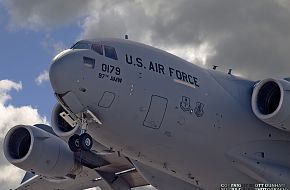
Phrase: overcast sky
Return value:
(250, 36)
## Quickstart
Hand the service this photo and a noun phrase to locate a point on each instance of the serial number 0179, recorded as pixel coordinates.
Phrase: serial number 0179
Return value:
(111, 69)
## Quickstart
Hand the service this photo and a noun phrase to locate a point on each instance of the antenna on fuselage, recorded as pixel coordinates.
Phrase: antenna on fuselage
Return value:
(126, 36)
(230, 71)
(214, 67)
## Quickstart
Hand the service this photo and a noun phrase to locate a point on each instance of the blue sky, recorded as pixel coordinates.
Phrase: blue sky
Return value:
(23, 59)
(25, 55)
(250, 36)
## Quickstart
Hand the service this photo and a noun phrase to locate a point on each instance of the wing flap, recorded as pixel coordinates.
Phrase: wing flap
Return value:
(134, 179)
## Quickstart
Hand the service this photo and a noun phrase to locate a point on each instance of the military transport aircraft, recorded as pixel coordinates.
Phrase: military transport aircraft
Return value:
(130, 115)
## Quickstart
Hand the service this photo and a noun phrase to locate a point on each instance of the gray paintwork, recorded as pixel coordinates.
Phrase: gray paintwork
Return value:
(200, 129)
(195, 148)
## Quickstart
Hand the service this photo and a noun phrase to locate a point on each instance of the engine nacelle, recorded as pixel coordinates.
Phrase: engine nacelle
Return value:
(33, 149)
(61, 127)
(270, 102)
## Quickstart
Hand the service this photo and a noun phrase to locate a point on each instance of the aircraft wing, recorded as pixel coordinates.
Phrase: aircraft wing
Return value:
(115, 175)
(83, 181)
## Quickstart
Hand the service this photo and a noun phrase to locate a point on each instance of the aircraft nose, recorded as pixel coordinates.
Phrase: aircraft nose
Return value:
(68, 69)
(62, 70)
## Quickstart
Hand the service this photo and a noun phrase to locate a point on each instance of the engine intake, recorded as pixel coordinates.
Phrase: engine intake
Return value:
(33, 149)
(270, 102)
(19, 143)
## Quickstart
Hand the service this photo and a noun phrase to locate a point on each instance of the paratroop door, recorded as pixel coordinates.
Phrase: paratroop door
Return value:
(156, 112)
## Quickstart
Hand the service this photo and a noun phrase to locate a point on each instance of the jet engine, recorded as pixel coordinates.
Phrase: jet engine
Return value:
(62, 123)
(270, 102)
(35, 150)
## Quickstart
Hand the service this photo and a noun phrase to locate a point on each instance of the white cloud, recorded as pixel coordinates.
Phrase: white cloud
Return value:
(8, 171)
(51, 46)
(5, 86)
(42, 77)
(250, 36)
(118, 18)
(194, 54)
(103, 24)
(10, 116)
(34, 14)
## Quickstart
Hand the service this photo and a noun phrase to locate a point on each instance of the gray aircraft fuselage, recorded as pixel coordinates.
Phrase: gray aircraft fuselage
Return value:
(191, 123)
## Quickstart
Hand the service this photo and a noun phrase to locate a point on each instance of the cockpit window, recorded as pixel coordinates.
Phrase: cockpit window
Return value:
(81, 45)
(98, 48)
(110, 52)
